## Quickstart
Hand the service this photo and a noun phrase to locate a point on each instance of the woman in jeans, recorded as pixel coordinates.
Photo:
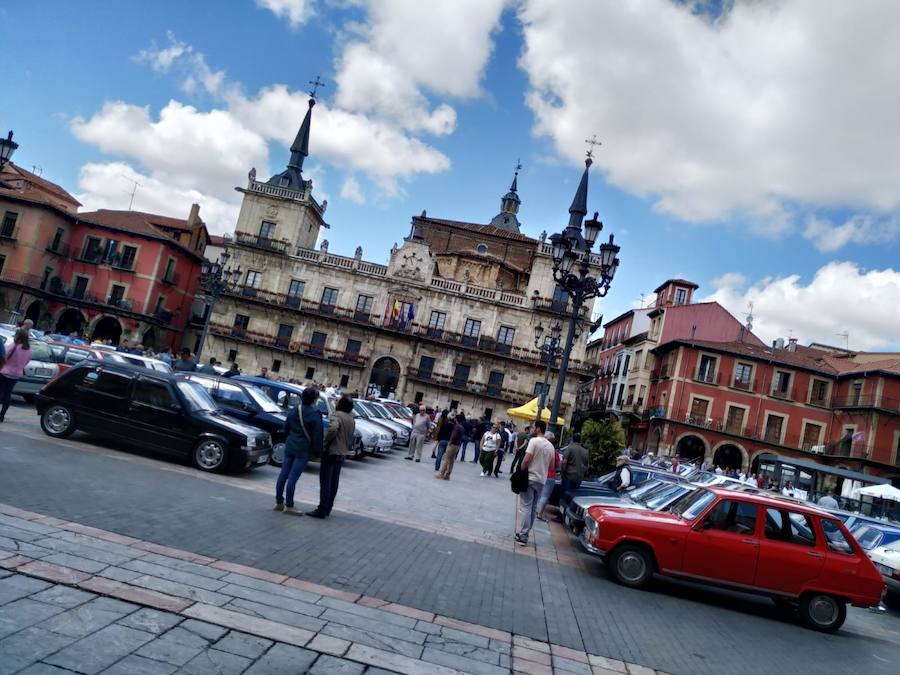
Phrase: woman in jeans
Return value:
(489, 443)
(17, 357)
(305, 438)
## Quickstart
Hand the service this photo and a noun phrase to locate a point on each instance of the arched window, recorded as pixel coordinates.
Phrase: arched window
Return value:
(481, 249)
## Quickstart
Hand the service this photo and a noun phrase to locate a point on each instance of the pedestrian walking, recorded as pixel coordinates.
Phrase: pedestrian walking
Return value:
(550, 483)
(456, 437)
(209, 368)
(469, 427)
(443, 439)
(538, 455)
(521, 444)
(14, 361)
(828, 501)
(574, 466)
(338, 439)
(483, 426)
(441, 420)
(489, 443)
(420, 425)
(501, 447)
(185, 362)
(304, 439)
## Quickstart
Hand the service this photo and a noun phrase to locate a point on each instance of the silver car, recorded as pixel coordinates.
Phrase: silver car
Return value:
(38, 371)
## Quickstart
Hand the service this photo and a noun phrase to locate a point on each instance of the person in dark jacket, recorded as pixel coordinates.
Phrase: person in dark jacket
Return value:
(338, 439)
(443, 439)
(305, 439)
(457, 433)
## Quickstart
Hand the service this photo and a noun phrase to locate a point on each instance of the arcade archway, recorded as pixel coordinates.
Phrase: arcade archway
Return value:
(385, 376)
(690, 448)
(37, 312)
(70, 321)
(729, 456)
(107, 328)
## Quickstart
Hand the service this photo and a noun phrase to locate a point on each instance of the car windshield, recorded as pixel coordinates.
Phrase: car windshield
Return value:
(197, 397)
(261, 399)
(704, 478)
(375, 411)
(694, 505)
(638, 493)
(361, 410)
(665, 496)
(868, 537)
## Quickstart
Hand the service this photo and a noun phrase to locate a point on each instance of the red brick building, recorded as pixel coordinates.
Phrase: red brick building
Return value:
(731, 401)
(110, 274)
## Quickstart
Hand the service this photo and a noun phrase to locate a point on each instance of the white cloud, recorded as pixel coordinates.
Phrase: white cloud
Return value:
(352, 190)
(109, 185)
(295, 12)
(162, 58)
(840, 297)
(409, 47)
(772, 108)
(858, 229)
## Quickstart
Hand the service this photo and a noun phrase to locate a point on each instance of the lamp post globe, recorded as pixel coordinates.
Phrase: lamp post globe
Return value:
(7, 148)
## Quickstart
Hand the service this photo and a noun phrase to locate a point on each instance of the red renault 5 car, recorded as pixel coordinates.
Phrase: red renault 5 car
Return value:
(792, 552)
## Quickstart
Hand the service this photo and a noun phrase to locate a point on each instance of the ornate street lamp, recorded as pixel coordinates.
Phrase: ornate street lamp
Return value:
(573, 256)
(7, 148)
(550, 351)
(215, 279)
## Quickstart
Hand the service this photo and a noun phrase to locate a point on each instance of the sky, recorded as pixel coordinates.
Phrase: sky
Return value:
(747, 145)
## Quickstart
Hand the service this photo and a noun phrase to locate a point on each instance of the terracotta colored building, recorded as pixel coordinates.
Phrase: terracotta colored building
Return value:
(109, 274)
(732, 401)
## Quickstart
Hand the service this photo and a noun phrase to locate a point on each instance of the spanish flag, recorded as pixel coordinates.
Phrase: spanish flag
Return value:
(395, 313)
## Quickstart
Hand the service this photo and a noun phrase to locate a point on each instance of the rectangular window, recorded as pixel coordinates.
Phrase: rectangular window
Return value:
(296, 288)
(232, 355)
(680, 296)
(436, 323)
(472, 328)
(129, 254)
(811, 435)
(742, 374)
(774, 425)
(351, 353)
(560, 300)
(781, 384)
(241, 321)
(819, 393)
(153, 394)
(541, 389)
(856, 393)
(285, 333)
(706, 372)
(169, 277)
(2, 263)
(734, 420)
(419, 397)
(254, 278)
(345, 380)
(81, 287)
(112, 384)
(506, 335)
(45, 279)
(426, 367)
(276, 365)
(495, 383)
(160, 304)
(329, 300)
(461, 375)
(56, 244)
(266, 233)
(790, 527)
(364, 304)
(625, 364)
(699, 410)
(317, 343)
(310, 373)
(109, 253)
(116, 295)
(8, 228)
(91, 250)
(733, 516)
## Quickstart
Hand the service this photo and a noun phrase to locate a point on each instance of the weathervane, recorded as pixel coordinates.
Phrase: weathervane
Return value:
(315, 85)
(592, 141)
(518, 165)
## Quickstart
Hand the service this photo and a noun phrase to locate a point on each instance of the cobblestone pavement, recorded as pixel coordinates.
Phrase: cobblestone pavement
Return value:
(403, 537)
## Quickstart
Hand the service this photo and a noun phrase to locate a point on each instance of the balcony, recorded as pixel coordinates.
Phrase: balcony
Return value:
(280, 246)
(867, 401)
(126, 266)
(660, 373)
(784, 395)
(316, 351)
(748, 386)
(60, 249)
(90, 256)
(708, 377)
(555, 306)
(171, 279)
(494, 391)
(163, 316)
(120, 303)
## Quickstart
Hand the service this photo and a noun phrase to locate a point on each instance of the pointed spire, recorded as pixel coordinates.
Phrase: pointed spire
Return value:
(300, 147)
(578, 210)
(514, 187)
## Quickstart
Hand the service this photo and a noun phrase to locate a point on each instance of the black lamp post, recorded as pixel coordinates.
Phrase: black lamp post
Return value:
(7, 148)
(550, 351)
(572, 260)
(215, 279)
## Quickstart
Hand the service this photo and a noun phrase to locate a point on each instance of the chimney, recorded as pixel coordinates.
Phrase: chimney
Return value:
(778, 343)
(194, 224)
(792, 344)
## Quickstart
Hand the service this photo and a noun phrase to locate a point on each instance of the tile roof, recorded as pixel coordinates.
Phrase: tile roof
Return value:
(10, 169)
(137, 222)
(490, 230)
(680, 282)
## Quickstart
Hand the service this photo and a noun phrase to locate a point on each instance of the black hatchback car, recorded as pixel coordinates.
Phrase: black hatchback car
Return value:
(162, 412)
(247, 403)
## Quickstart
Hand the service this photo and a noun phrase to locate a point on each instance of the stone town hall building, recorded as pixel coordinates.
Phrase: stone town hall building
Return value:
(449, 320)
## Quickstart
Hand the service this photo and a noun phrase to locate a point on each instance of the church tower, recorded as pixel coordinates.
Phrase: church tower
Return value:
(509, 206)
(281, 212)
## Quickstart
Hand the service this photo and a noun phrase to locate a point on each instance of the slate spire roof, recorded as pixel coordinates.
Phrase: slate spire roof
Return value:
(292, 177)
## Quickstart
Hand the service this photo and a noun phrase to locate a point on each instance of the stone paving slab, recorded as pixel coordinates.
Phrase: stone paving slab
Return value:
(259, 622)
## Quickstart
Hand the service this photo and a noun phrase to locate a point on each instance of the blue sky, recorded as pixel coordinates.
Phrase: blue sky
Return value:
(734, 153)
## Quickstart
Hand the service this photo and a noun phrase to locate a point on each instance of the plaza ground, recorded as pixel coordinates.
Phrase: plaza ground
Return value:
(398, 538)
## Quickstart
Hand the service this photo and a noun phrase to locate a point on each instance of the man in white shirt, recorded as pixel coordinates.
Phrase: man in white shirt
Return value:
(622, 479)
(538, 455)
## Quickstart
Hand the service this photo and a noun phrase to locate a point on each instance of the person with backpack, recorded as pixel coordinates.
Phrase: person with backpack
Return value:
(305, 439)
(14, 362)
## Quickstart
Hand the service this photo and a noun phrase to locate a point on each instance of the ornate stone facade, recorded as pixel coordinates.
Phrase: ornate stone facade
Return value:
(450, 318)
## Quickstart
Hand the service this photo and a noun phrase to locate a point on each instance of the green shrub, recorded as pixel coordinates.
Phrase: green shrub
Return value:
(604, 442)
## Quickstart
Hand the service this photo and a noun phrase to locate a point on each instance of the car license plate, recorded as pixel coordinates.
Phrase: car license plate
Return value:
(262, 459)
(43, 372)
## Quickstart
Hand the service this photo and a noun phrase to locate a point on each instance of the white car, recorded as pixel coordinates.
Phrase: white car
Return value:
(887, 561)
(142, 362)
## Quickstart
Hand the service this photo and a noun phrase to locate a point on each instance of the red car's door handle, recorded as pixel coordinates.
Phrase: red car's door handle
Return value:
(814, 554)
(751, 542)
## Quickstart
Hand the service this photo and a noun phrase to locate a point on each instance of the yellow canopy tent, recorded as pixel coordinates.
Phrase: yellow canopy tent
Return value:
(528, 412)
